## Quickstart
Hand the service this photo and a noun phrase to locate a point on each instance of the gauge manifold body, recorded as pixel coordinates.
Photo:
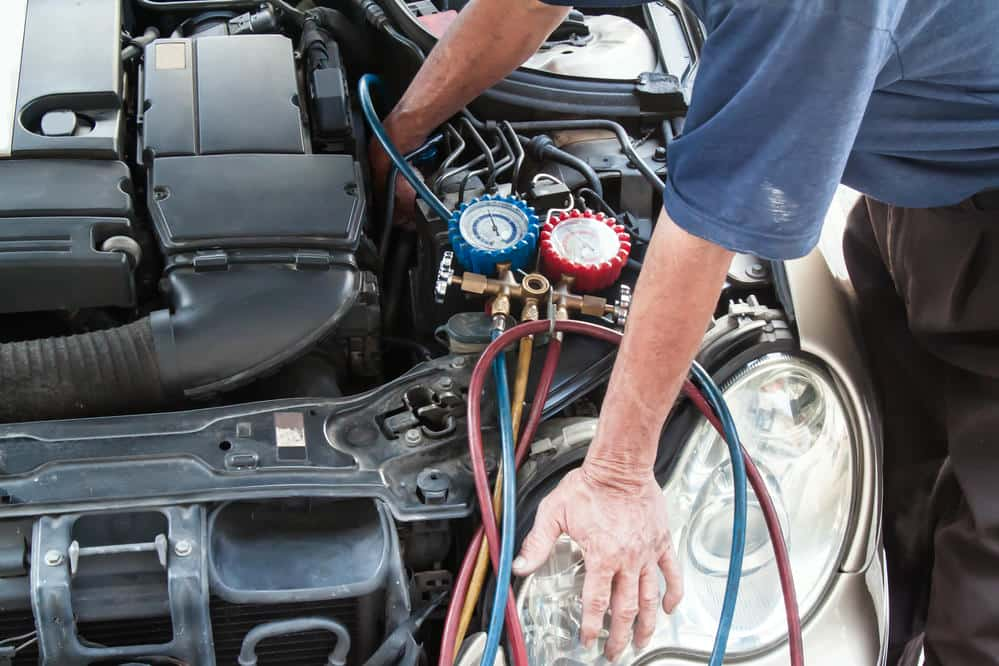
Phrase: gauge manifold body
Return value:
(491, 230)
(589, 247)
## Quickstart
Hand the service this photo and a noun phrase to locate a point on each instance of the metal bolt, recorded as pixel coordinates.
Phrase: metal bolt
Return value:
(53, 558)
(660, 154)
(445, 382)
(458, 362)
(413, 436)
(756, 271)
(183, 548)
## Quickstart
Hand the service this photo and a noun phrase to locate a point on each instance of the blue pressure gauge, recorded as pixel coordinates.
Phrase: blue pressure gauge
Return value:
(491, 230)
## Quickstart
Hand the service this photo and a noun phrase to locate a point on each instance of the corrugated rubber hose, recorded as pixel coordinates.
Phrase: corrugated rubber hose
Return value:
(109, 371)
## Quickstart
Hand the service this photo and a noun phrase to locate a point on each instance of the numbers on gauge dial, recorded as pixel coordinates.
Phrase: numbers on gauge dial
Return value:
(493, 225)
(585, 241)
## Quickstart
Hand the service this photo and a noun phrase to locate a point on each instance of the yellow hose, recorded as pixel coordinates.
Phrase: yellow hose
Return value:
(482, 561)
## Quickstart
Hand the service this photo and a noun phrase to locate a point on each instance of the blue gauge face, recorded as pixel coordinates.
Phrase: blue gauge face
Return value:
(493, 225)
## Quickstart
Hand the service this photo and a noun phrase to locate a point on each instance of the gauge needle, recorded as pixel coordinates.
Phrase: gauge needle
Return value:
(493, 222)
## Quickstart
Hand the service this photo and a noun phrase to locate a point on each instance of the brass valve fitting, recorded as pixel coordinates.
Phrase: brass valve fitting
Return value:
(533, 291)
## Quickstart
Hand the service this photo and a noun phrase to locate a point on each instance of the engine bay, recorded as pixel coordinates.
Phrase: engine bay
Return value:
(233, 392)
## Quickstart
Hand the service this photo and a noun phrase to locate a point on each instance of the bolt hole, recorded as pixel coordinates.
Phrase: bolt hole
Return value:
(225, 445)
(313, 412)
(567, 52)
(434, 476)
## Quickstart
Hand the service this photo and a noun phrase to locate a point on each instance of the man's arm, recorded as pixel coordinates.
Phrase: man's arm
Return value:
(613, 507)
(488, 40)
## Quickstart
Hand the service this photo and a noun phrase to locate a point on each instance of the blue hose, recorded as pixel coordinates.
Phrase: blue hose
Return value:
(714, 397)
(509, 520)
(364, 86)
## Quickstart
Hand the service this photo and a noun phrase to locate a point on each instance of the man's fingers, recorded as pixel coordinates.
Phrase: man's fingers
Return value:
(540, 540)
(596, 599)
(624, 610)
(674, 580)
(648, 606)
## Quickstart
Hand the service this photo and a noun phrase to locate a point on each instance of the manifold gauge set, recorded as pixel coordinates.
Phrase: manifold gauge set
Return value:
(588, 248)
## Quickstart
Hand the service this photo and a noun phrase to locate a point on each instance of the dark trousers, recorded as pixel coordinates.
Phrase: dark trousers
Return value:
(927, 282)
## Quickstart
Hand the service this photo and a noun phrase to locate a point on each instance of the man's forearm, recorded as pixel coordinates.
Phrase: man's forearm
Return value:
(674, 300)
(488, 40)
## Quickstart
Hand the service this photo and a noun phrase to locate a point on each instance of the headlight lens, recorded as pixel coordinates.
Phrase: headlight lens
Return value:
(794, 424)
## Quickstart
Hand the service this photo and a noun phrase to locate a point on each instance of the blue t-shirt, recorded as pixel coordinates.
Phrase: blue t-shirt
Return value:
(896, 98)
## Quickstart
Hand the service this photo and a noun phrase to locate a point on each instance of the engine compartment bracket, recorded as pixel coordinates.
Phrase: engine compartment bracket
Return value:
(51, 584)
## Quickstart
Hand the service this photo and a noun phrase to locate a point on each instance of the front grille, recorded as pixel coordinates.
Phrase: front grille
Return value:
(230, 622)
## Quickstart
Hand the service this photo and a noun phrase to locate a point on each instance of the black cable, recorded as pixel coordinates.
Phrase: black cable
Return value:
(137, 44)
(532, 126)
(588, 193)
(376, 16)
(400, 641)
(422, 351)
(383, 242)
(616, 128)
(541, 148)
(344, 32)
(390, 189)
(406, 43)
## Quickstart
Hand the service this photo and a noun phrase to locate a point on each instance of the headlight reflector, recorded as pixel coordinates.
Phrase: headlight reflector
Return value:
(794, 424)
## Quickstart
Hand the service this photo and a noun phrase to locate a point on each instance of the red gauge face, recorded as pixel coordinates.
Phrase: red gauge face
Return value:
(587, 246)
(586, 241)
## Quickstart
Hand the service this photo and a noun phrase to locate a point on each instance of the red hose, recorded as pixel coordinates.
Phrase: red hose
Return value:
(458, 592)
(515, 631)
(476, 452)
(794, 639)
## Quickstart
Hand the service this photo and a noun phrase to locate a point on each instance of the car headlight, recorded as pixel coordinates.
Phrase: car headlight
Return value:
(795, 426)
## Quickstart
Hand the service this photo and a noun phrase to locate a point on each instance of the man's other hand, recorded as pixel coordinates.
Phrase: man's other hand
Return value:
(622, 531)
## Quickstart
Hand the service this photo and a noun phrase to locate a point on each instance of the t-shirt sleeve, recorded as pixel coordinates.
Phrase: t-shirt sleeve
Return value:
(777, 103)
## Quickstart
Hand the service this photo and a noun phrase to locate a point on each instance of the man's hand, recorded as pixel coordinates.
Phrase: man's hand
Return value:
(622, 530)
(405, 195)
(456, 72)
(613, 507)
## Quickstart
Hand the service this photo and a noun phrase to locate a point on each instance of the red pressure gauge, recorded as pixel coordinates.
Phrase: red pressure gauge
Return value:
(587, 246)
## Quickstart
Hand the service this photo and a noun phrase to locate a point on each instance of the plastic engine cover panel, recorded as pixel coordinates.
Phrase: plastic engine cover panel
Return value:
(256, 201)
(218, 95)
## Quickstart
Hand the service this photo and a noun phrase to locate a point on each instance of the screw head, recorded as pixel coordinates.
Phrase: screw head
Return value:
(413, 436)
(756, 271)
(458, 362)
(183, 548)
(53, 558)
(445, 382)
